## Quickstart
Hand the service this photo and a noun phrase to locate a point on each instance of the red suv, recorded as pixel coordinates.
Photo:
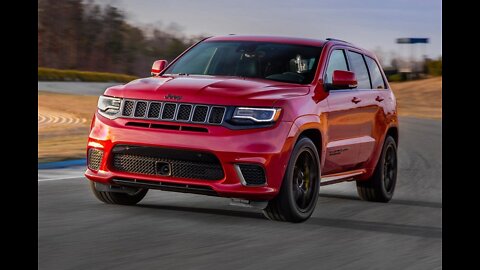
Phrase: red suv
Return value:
(262, 120)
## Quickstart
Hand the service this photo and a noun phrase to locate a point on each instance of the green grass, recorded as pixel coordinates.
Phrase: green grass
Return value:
(396, 78)
(51, 74)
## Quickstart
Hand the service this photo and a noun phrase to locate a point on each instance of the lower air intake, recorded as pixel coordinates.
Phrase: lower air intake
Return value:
(153, 161)
(253, 175)
(94, 158)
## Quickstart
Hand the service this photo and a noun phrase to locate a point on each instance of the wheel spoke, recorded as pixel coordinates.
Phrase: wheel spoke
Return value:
(387, 182)
(389, 168)
(296, 193)
(390, 156)
(300, 194)
(304, 174)
(302, 199)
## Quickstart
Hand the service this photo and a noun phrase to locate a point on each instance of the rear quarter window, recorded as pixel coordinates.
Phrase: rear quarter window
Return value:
(360, 69)
(375, 74)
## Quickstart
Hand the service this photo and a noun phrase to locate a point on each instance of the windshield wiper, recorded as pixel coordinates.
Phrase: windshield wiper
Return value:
(176, 74)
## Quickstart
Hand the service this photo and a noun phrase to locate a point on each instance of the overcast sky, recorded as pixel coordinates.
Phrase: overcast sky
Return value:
(371, 24)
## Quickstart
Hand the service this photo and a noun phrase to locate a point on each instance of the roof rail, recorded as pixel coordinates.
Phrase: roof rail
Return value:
(335, 39)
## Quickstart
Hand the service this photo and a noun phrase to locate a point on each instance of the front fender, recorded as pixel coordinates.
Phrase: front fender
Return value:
(310, 122)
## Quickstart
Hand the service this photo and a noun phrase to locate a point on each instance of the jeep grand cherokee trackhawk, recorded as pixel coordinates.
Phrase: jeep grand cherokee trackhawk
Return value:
(258, 119)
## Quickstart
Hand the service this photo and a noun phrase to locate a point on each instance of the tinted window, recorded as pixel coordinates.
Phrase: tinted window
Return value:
(375, 74)
(271, 61)
(337, 61)
(360, 69)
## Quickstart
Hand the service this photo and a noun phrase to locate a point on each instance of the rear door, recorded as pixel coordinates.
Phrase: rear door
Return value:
(378, 96)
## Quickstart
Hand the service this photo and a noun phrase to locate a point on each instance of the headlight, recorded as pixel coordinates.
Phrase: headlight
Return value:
(258, 115)
(109, 106)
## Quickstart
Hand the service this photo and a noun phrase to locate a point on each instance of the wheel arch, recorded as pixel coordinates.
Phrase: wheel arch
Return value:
(312, 127)
(315, 136)
(393, 132)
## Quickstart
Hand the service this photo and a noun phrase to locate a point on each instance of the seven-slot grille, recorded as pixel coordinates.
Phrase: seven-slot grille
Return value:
(169, 111)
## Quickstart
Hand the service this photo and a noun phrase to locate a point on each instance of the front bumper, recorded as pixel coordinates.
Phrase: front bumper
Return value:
(268, 147)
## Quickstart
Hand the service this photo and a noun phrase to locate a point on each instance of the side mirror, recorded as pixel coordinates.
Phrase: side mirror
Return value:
(158, 66)
(342, 79)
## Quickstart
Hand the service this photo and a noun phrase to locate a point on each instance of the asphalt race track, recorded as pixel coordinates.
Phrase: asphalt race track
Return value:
(183, 231)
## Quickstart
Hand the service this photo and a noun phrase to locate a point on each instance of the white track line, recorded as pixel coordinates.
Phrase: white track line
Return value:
(41, 118)
(63, 119)
(47, 119)
(63, 178)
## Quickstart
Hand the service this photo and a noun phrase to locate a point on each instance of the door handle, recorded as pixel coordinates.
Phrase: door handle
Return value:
(379, 99)
(356, 100)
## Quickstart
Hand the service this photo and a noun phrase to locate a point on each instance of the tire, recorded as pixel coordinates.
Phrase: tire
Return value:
(380, 187)
(298, 194)
(117, 197)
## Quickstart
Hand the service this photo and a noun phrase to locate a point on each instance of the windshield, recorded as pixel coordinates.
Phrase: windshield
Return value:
(271, 61)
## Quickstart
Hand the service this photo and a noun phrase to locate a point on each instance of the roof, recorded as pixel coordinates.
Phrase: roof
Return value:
(274, 39)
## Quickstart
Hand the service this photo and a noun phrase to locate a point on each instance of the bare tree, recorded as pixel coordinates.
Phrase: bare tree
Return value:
(76, 34)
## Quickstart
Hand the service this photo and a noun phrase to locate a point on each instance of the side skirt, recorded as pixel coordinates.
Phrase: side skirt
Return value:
(330, 179)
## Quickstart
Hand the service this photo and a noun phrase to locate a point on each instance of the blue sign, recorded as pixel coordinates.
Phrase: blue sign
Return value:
(412, 40)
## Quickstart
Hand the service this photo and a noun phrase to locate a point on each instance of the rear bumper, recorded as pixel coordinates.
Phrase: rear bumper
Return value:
(267, 147)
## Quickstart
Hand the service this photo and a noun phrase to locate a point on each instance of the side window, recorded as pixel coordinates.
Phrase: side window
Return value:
(337, 61)
(360, 69)
(375, 74)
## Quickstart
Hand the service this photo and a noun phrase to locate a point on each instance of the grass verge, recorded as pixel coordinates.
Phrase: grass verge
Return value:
(51, 74)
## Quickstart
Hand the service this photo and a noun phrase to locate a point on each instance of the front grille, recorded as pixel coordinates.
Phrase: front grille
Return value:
(177, 112)
(183, 163)
(127, 108)
(253, 175)
(216, 115)
(140, 109)
(184, 111)
(200, 114)
(94, 158)
(169, 111)
(154, 110)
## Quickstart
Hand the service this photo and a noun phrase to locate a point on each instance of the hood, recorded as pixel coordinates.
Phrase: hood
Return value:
(208, 90)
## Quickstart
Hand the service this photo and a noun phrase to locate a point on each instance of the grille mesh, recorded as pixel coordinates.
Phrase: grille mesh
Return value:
(154, 110)
(184, 111)
(200, 114)
(180, 168)
(127, 108)
(216, 115)
(94, 158)
(253, 174)
(140, 109)
(168, 111)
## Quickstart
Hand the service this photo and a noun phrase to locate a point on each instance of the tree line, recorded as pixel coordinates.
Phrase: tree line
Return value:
(82, 35)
